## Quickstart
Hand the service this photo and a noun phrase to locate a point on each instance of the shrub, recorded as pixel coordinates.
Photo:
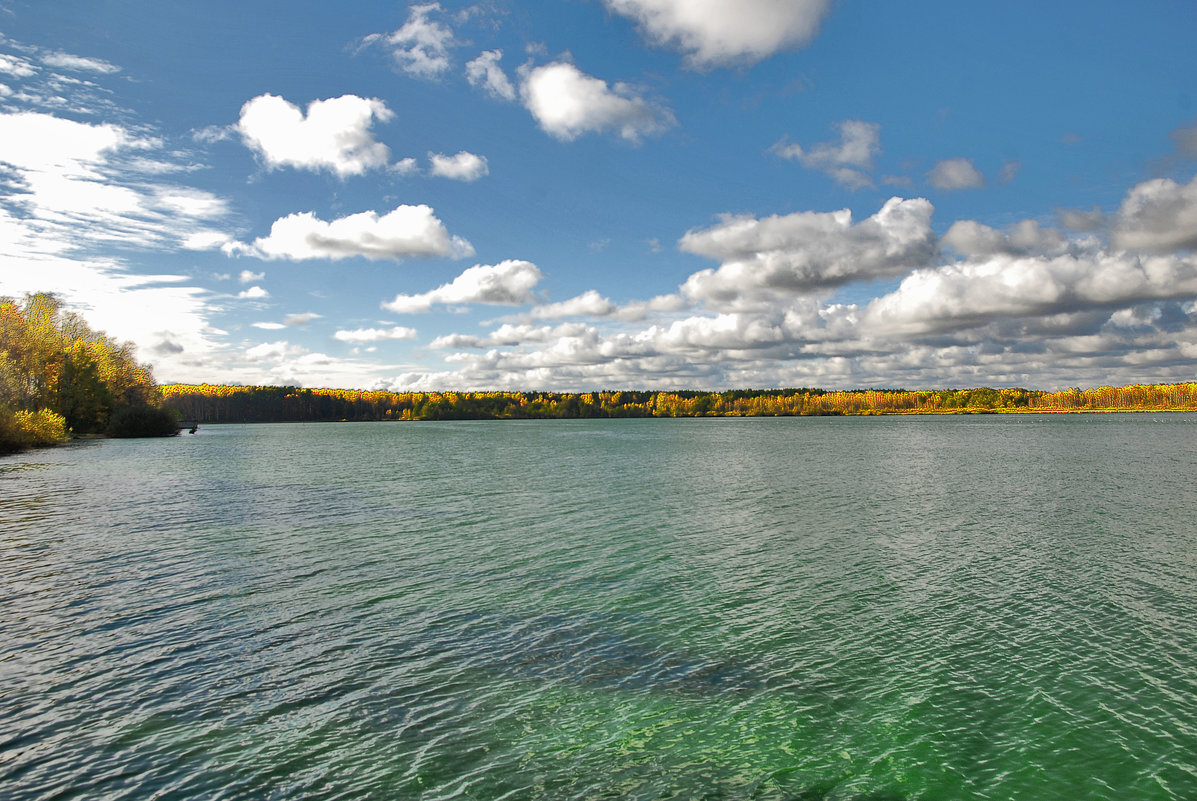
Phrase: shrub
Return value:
(143, 421)
(23, 429)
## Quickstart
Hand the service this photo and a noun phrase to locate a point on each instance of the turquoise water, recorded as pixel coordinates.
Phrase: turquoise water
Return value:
(877, 609)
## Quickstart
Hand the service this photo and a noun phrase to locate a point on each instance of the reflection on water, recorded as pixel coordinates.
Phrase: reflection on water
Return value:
(812, 608)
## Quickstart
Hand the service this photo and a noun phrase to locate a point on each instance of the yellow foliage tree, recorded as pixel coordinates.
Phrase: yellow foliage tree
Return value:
(57, 374)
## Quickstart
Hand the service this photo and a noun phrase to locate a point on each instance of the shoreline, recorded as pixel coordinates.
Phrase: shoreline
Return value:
(213, 403)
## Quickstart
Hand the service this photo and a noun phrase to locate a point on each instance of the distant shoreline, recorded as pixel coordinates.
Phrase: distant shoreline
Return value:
(207, 403)
(1008, 413)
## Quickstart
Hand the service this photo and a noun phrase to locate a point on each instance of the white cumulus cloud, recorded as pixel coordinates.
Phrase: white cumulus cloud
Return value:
(405, 232)
(463, 166)
(722, 32)
(508, 335)
(805, 251)
(507, 283)
(567, 103)
(274, 351)
(301, 318)
(956, 173)
(1082, 219)
(971, 293)
(971, 238)
(1158, 216)
(589, 304)
(405, 167)
(334, 135)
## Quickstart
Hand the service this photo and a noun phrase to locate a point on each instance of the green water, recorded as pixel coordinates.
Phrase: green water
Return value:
(810, 608)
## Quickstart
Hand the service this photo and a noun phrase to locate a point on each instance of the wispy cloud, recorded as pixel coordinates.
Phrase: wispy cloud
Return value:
(421, 46)
(485, 72)
(375, 334)
(68, 61)
(848, 160)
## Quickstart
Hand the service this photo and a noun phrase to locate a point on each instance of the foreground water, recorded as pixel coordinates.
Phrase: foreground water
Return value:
(810, 608)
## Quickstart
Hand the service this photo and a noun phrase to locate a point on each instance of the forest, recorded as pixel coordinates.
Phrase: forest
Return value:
(61, 378)
(207, 403)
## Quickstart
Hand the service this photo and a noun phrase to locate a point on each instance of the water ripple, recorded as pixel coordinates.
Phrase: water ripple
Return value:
(812, 609)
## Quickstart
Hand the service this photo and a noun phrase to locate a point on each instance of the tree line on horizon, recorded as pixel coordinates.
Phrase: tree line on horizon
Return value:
(61, 378)
(207, 403)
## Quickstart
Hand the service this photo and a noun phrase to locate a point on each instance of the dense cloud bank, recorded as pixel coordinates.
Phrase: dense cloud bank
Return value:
(977, 305)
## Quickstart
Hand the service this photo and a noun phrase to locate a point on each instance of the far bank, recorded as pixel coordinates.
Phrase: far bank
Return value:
(207, 403)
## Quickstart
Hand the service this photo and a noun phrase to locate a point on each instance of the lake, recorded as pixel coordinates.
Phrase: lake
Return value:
(814, 609)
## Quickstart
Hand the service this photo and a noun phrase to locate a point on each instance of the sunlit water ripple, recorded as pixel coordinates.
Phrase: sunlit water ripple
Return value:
(874, 609)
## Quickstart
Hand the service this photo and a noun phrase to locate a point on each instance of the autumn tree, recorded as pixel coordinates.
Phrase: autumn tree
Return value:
(57, 375)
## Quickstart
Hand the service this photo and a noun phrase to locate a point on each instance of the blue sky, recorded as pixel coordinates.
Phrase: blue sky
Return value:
(589, 194)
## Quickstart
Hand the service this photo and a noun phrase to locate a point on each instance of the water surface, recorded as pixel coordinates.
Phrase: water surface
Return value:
(805, 608)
